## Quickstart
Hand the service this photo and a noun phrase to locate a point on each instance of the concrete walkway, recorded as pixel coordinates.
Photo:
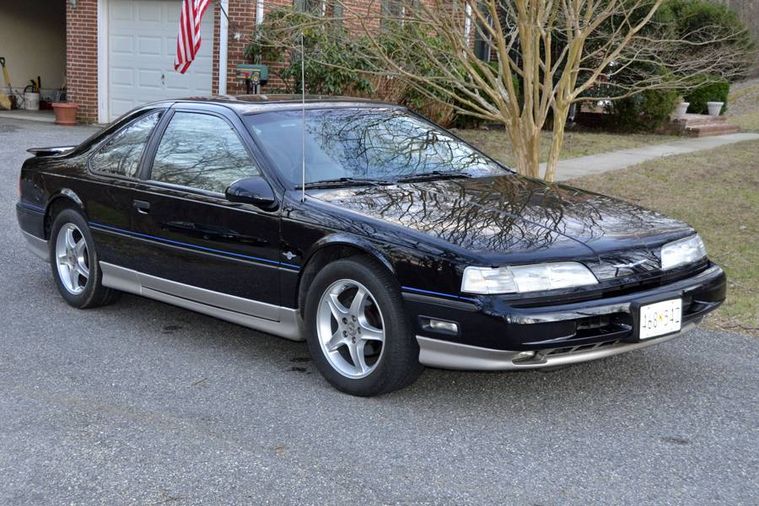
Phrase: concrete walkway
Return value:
(615, 160)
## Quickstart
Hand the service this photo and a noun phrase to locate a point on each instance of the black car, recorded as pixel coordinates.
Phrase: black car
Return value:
(381, 239)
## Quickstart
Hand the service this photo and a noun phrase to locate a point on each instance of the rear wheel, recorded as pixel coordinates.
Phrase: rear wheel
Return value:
(357, 332)
(74, 262)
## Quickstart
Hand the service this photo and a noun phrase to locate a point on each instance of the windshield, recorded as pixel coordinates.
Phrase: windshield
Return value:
(364, 145)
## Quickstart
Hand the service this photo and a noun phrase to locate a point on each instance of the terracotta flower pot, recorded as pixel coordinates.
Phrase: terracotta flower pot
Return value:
(65, 113)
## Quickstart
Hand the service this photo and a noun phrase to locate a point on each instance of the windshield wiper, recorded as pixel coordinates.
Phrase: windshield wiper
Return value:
(431, 176)
(346, 181)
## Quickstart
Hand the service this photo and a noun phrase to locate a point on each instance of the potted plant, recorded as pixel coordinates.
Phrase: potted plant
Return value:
(715, 108)
(682, 108)
(65, 113)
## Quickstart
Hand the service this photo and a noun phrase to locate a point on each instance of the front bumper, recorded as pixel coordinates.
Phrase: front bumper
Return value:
(448, 355)
(492, 334)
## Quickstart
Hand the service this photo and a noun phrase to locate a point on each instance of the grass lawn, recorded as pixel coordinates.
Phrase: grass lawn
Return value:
(717, 192)
(496, 143)
(743, 106)
(748, 122)
(743, 111)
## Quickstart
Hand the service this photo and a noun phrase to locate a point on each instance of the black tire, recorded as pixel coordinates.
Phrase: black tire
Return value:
(398, 363)
(93, 294)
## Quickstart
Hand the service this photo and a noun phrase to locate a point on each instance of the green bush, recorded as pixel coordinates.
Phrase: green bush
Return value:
(646, 111)
(332, 67)
(709, 88)
(712, 28)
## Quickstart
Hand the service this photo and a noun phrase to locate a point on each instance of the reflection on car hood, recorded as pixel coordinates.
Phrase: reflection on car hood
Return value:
(511, 214)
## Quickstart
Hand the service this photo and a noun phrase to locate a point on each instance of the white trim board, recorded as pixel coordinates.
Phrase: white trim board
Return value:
(102, 27)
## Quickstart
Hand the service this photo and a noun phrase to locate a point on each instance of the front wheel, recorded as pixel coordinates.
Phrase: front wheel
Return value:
(357, 332)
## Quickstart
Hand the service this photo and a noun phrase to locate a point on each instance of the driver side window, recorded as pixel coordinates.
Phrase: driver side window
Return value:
(201, 151)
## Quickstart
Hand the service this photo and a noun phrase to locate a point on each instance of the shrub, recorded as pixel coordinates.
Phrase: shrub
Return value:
(711, 28)
(646, 111)
(331, 66)
(708, 88)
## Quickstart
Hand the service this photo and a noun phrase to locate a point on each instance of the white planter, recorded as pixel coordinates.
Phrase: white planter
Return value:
(32, 101)
(682, 109)
(715, 108)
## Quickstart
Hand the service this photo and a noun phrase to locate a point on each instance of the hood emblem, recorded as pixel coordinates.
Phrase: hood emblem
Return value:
(289, 255)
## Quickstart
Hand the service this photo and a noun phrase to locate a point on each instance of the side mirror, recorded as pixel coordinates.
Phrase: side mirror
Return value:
(252, 190)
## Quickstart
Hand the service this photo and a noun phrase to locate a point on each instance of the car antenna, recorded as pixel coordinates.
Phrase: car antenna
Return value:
(303, 117)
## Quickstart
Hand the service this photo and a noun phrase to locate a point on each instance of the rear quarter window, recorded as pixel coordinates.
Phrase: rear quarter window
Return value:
(120, 154)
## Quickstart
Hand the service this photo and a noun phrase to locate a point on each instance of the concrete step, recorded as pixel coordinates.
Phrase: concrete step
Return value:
(706, 129)
(699, 119)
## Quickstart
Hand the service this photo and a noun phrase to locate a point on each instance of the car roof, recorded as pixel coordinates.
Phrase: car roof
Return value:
(250, 104)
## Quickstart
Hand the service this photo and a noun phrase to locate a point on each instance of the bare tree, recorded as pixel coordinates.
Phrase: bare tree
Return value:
(523, 63)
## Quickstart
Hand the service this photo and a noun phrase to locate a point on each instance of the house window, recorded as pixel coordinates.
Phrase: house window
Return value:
(482, 39)
(481, 46)
(331, 8)
(314, 7)
(392, 12)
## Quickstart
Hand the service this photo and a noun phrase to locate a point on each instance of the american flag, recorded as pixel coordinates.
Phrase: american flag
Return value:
(188, 39)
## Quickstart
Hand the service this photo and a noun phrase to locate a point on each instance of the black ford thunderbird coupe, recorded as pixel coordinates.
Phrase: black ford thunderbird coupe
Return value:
(384, 241)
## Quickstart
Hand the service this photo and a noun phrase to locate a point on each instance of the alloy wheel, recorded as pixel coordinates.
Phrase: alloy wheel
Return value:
(350, 328)
(72, 259)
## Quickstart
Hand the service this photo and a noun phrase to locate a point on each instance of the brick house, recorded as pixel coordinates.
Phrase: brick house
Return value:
(119, 53)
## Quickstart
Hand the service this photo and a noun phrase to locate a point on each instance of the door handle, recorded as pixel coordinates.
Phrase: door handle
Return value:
(141, 206)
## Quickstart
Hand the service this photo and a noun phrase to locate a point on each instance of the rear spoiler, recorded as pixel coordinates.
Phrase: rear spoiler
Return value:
(50, 151)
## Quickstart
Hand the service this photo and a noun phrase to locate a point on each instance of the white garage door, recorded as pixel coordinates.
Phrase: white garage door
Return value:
(142, 38)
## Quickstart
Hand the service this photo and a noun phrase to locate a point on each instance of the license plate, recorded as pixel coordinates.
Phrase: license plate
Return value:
(660, 318)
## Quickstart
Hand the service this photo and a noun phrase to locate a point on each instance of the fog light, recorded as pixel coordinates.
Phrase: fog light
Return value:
(443, 326)
(523, 356)
(439, 326)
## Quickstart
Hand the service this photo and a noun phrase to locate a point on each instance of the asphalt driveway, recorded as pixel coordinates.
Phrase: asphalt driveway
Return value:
(145, 403)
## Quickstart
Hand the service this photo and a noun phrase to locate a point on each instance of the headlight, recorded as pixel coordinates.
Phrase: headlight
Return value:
(526, 278)
(682, 252)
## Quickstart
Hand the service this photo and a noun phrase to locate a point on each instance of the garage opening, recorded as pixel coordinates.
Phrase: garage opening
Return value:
(33, 45)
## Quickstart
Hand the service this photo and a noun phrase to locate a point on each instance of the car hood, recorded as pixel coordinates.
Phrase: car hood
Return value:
(511, 215)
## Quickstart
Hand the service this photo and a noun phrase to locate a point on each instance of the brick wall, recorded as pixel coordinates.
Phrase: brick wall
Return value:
(242, 22)
(82, 58)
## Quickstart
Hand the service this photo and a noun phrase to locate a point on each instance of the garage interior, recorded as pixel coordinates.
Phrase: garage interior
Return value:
(129, 61)
(33, 44)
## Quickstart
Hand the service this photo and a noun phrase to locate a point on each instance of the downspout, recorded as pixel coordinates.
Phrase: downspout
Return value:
(223, 45)
(259, 12)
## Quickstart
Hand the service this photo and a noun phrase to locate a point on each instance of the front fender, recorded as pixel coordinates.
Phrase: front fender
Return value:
(353, 241)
